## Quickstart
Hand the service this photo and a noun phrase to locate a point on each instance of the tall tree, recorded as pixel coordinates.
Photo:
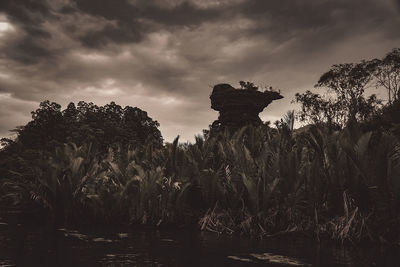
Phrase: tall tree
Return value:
(45, 128)
(387, 74)
(348, 83)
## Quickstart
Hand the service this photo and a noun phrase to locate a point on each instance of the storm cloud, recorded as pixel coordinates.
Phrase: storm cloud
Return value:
(163, 56)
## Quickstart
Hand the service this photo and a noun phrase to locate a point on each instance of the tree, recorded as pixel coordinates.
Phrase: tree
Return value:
(103, 126)
(315, 109)
(45, 128)
(387, 74)
(348, 83)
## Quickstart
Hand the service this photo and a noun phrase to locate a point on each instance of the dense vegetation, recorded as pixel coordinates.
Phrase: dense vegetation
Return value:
(337, 177)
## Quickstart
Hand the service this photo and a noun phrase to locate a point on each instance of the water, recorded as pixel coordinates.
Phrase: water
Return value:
(38, 246)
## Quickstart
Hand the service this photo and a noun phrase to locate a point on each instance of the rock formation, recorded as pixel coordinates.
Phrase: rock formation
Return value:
(239, 107)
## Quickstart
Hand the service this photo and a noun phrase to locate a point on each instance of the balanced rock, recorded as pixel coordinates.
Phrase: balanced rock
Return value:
(239, 107)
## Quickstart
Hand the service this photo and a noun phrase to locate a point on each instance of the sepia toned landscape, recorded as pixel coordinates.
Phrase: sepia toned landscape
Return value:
(235, 171)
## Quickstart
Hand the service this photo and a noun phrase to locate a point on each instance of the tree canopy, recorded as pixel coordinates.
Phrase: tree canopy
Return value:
(387, 74)
(346, 84)
(103, 126)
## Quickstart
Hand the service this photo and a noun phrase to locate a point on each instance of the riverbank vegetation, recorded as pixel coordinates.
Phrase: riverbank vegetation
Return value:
(337, 177)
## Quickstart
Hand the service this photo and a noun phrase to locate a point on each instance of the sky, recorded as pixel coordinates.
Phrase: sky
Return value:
(164, 56)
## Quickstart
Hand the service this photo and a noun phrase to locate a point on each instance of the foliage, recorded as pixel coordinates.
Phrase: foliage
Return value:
(248, 86)
(387, 74)
(103, 126)
(347, 84)
(256, 181)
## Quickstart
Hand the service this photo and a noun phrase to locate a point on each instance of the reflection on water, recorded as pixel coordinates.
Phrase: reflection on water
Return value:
(39, 246)
(269, 257)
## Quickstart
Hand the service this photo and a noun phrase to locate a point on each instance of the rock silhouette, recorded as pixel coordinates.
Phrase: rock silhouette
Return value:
(239, 107)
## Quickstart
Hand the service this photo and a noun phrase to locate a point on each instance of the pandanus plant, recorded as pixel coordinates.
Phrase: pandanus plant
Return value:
(64, 182)
(148, 184)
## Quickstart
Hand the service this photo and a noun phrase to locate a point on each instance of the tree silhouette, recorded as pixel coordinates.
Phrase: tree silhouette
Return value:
(387, 74)
(316, 109)
(347, 84)
(103, 126)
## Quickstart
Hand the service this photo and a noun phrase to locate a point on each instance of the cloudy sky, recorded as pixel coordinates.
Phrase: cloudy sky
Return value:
(164, 56)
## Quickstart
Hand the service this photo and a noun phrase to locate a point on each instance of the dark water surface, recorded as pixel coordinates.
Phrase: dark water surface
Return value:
(38, 246)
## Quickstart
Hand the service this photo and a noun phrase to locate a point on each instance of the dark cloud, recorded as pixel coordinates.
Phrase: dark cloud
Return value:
(184, 14)
(128, 22)
(135, 19)
(398, 3)
(27, 51)
(317, 22)
(111, 33)
(29, 15)
(126, 27)
(26, 12)
(119, 10)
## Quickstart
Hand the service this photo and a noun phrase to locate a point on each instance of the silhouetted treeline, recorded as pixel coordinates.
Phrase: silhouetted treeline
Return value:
(103, 126)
